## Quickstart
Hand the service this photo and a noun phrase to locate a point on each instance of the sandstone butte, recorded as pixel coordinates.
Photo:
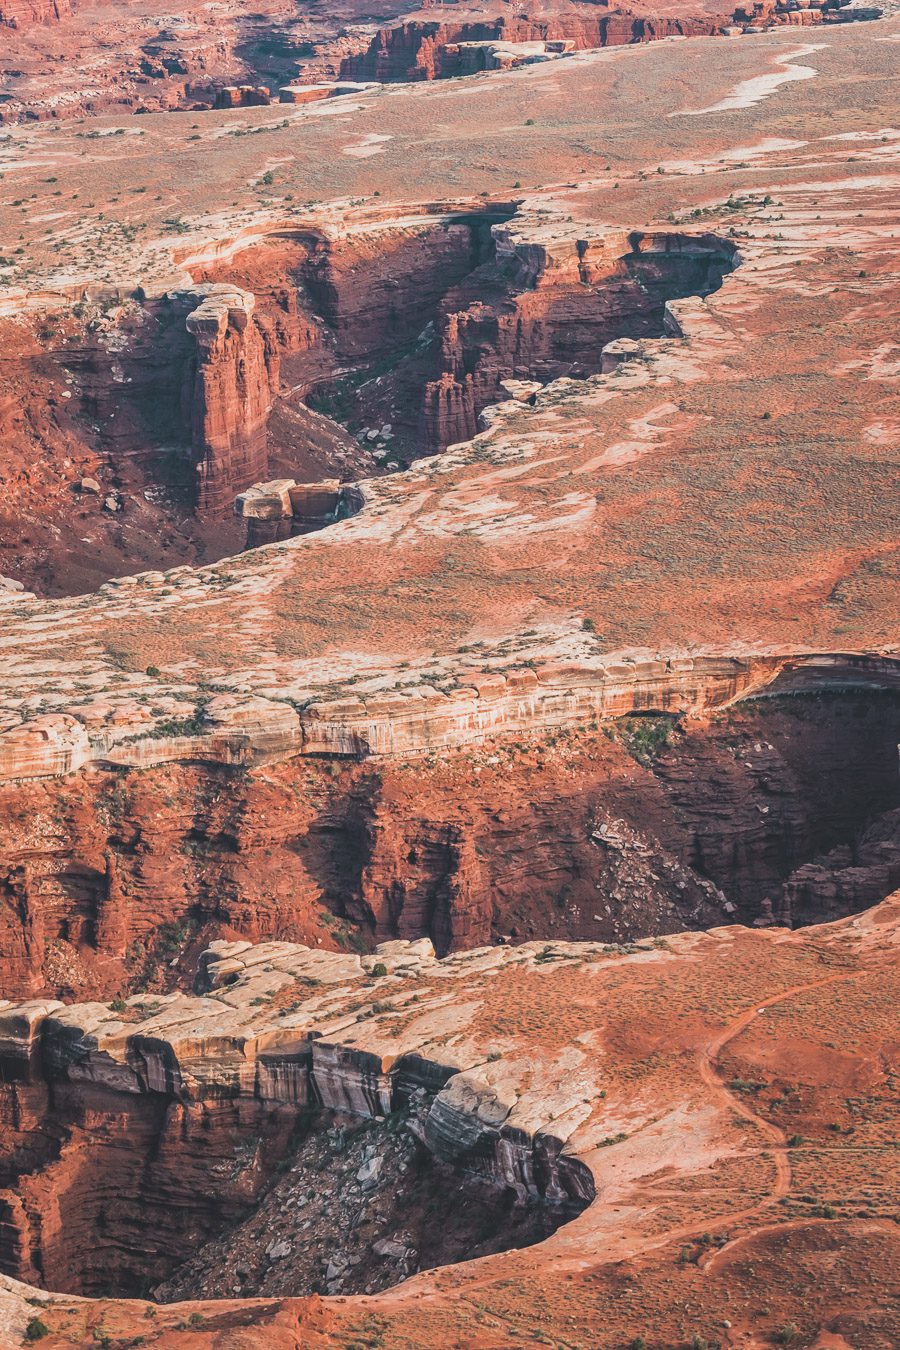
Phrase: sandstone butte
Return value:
(449, 686)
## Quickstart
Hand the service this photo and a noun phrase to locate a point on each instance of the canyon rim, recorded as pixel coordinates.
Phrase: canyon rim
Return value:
(449, 675)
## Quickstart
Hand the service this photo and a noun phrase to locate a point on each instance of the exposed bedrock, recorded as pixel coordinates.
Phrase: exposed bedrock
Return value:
(24, 13)
(373, 302)
(421, 49)
(418, 50)
(421, 325)
(306, 356)
(188, 381)
(436, 49)
(776, 808)
(125, 425)
(137, 1132)
(566, 302)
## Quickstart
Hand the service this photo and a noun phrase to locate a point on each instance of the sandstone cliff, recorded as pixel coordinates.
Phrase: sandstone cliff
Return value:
(169, 1116)
(108, 879)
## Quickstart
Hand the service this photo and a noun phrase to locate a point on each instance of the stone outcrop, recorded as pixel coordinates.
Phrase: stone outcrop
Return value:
(242, 96)
(434, 49)
(281, 508)
(313, 93)
(158, 1101)
(419, 718)
(429, 50)
(24, 13)
(174, 1136)
(567, 298)
(109, 880)
(622, 665)
(232, 395)
(849, 878)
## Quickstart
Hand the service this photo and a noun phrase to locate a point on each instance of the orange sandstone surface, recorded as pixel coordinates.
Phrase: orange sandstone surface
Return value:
(593, 363)
(722, 1100)
(723, 492)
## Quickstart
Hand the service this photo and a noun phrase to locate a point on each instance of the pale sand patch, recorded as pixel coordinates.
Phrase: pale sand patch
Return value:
(736, 155)
(886, 133)
(646, 436)
(753, 91)
(372, 144)
(882, 364)
(886, 432)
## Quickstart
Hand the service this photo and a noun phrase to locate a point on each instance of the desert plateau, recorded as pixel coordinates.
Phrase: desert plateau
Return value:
(449, 675)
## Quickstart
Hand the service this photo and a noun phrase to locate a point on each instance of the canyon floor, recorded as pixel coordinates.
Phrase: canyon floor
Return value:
(450, 689)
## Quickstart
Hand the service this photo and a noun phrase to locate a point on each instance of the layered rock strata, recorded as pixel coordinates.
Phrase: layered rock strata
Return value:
(558, 1072)
(281, 508)
(420, 49)
(232, 396)
(110, 880)
(157, 1101)
(240, 730)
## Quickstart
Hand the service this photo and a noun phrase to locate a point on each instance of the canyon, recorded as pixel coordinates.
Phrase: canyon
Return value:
(130, 59)
(170, 1114)
(188, 400)
(780, 810)
(449, 691)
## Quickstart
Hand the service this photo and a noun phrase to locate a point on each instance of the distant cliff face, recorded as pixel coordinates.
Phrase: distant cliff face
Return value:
(110, 879)
(24, 13)
(429, 50)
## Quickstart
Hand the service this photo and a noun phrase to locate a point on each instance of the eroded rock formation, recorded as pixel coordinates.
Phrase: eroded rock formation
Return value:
(556, 1075)
(403, 333)
(417, 50)
(232, 396)
(109, 880)
(22, 13)
(169, 1117)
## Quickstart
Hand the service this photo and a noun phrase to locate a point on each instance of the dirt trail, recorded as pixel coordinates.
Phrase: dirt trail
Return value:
(709, 1075)
(627, 1250)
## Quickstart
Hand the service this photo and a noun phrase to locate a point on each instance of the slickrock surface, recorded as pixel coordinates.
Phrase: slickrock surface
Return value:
(723, 1101)
(709, 517)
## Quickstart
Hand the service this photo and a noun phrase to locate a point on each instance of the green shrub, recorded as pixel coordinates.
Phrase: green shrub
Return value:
(644, 737)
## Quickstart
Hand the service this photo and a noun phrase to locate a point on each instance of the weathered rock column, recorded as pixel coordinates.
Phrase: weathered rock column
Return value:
(231, 396)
